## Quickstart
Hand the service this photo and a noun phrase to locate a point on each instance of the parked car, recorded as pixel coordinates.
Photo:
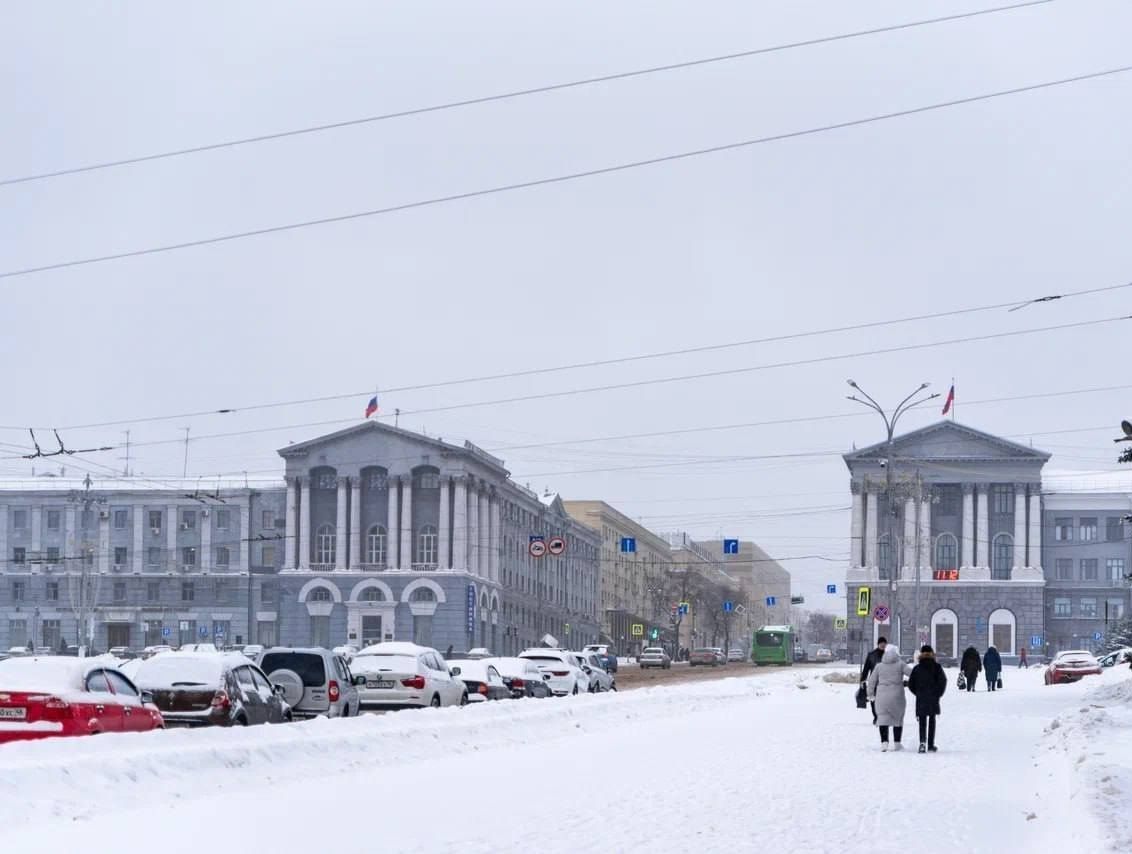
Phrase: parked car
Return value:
(482, 679)
(654, 656)
(42, 697)
(606, 653)
(823, 655)
(1117, 656)
(252, 650)
(705, 656)
(736, 655)
(522, 676)
(198, 647)
(720, 655)
(347, 651)
(315, 681)
(592, 665)
(566, 677)
(799, 655)
(151, 651)
(207, 689)
(395, 675)
(1070, 666)
(123, 653)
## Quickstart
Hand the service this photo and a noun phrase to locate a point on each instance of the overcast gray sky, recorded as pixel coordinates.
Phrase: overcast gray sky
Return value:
(1007, 199)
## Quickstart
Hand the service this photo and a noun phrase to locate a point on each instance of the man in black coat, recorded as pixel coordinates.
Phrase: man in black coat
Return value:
(871, 661)
(928, 682)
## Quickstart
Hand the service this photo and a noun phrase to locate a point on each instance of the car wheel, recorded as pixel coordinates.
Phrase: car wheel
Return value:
(241, 721)
(575, 689)
(435, 702)
(292, 685)
(464, 699)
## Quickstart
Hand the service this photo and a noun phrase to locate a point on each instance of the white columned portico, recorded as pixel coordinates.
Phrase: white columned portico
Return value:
(982, 528)
(484, 536)
(138, 556)
(292, 533)
(856, 526)
(340, 525)
(968, 525)
(474, 531)
(870, 528)
(444, 539)
(305, 524)
(1019, 525)
(910, 557)
(925, 559)
(1034, 543)
(392, 552)
(460, 526)
(406, 550)
(355, 561)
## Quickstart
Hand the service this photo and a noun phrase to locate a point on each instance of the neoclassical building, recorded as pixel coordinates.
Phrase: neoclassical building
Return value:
(965, 514)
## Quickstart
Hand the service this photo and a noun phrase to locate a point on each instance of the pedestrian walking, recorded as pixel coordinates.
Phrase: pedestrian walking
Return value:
(992, 667)
(928, 682)
(886, 691)
(970, 664)
(1022, 660)
(871, 661)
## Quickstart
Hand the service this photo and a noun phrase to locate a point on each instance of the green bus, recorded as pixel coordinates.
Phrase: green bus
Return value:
(773, 645)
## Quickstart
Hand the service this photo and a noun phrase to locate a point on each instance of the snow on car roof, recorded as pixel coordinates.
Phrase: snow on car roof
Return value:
(42, 673)
(510, 666)
(475, 668)
(393, 648)
(184, 669)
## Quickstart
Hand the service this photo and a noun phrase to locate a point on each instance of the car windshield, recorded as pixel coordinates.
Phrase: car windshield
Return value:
(175, 670)
(307, 665)
(652, 650)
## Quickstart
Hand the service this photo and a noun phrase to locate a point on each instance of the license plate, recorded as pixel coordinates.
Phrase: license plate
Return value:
(379, 683)
(14, 713)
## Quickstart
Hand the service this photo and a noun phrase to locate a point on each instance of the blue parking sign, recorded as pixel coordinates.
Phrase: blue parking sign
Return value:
(203, 631)
(1097, 636)
(166, 632)
(831, 588)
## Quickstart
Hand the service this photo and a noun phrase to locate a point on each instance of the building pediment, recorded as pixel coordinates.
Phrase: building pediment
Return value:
(949, 441)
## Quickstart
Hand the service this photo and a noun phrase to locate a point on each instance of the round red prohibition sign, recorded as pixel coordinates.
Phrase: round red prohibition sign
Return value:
(537, 548)
(556, 545)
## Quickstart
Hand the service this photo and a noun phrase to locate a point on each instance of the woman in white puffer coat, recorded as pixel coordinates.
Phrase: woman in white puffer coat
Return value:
(886, 689)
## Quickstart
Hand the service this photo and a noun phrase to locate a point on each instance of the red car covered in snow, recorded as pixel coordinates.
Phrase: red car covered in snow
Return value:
(1071, 665)
(42, 697)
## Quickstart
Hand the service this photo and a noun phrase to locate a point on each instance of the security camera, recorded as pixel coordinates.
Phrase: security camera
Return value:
(884, 463)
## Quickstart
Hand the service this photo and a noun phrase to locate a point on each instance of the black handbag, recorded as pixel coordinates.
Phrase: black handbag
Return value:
(998, 685)
(961, 683)
(862, 698)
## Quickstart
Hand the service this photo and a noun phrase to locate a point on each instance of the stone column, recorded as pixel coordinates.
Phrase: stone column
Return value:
(36, 532)
(305, 523)
(911, 559)
(356, 558)
(871, 528)
(460, 526)
(496, 540)
(982, 527)
(926, 557)
(104, 556)
(1034, 543)
(172, 525)
(204, 562)
(406, 551)
(340, 526)
(139, 537)
(392, 553)
(968, 522)
(856, 526)
(1019, 524)
(245, 537)
(484, 536)
(473, 532)
(443, 536)
(292, 532)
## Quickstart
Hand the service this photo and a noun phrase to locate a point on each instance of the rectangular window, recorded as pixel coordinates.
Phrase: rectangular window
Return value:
(188, 520)
(1003, 499)
(51, 592)
(1114, 529)
(1089, 568)
(17, 632)
(188, 591)
(52, 554)
(121, 519)
(223, 520)
(1114, 570)
(1064, 569)
(188, 556)
(155, 520)
(948, 501)
(54, 520)
(19, 555)
(153, 556)
(152, 591)
(121, 556)
(268, 556)
(19, 519)
(1089, 608)
(268, 520)
(119, 591)
(265, 633)
(18, 589)
(222, 557)
(1115, 609)
(52, 634)
(1062, 608)
(1063, 529)
(1088, 528)
(222, 591)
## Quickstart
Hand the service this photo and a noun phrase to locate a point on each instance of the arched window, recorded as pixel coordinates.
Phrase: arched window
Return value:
(320, 594)
(375, 545)
(375, 478)
(1003, 557)
(1002, 631)
(325, 544)
(422, 594)
(373, 594)
(946, 552)
(426, 480)
(426, 545)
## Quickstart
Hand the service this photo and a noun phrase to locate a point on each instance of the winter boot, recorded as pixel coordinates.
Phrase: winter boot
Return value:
(923, 748)
(884, 747)
(898, 746)
(933, 749)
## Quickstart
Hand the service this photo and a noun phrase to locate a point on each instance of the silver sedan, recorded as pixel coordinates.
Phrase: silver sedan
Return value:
(654, 656)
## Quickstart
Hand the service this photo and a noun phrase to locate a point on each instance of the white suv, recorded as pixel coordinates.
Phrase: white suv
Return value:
(566, 677)
(404, 675)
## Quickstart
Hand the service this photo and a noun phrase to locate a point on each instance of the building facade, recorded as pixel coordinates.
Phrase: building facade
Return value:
(964, 517)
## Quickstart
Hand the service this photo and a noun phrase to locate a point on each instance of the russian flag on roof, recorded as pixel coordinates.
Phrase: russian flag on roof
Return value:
(371, 407)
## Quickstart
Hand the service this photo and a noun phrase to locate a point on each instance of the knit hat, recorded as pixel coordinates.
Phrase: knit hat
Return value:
(927, 648)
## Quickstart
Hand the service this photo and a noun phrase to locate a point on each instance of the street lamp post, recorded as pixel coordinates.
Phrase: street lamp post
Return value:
(890, 422)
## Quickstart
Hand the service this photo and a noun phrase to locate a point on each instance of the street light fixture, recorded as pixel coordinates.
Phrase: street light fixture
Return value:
(889, 464)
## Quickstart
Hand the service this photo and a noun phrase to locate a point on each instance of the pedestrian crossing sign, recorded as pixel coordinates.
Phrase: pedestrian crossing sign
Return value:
(864, 598)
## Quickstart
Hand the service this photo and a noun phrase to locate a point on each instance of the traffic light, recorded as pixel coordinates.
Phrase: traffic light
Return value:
(654, 634)
(863, 602)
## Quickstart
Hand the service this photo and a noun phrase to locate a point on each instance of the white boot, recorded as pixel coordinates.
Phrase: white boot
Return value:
(884, 747)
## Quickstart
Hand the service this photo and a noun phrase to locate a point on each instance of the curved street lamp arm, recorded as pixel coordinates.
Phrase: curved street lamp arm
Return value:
(900, 410)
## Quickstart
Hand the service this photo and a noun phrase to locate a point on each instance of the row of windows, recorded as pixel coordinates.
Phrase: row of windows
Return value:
(1089, 569)
(222, 592)
(1086, 529)
(372, 594)
(376, 546)
(947, 554)
(1088, 608)
(155, 556)
(120, 519)
(375, 479)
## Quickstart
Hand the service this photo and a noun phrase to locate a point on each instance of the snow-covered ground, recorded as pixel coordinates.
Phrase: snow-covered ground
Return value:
(770, 762)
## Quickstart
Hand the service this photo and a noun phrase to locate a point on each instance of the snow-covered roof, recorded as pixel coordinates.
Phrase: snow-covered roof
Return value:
(184, 486)
(1107, 481)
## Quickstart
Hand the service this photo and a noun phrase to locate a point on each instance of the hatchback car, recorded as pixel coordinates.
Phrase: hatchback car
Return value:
(1070, 666)
(315, 681)
(404, 675)
(654, 656)
(704, 656)
(61, 696)
(523, 677)
(482, 679)
(202, 689)
(566, 677)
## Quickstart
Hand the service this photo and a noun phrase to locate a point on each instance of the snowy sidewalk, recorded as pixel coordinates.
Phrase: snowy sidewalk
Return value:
(780, 762)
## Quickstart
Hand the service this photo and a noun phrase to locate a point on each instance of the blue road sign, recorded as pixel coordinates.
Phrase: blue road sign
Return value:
(683, 609)
(770, 600)
(203, 631)
(831, 588)
(629, 544)
(1035, 641)
(166, 632)
(470, 609)
(729, 605)
(218, 631)
(731, 547)
(1097, 636)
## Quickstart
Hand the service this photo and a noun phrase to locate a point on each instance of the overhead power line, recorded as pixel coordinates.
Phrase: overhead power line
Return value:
(517, 93)
(559, 179)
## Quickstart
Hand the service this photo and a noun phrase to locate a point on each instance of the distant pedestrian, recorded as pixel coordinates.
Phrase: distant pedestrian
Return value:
(992, 667)
(871, 661)
(928, 683)
(1022, 660)
(448, 652)
(970, 664)
(886, 692)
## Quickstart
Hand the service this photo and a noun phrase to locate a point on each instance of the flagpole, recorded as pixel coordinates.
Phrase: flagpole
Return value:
(953, 400)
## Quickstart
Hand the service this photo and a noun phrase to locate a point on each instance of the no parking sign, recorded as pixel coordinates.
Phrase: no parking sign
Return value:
(881, 613)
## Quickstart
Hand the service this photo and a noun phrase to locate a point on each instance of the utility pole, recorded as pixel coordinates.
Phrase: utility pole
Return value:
(185, 472)
(126, 470)
(83, 588)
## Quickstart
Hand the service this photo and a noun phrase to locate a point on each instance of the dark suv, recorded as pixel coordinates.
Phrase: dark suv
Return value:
(210, 689)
